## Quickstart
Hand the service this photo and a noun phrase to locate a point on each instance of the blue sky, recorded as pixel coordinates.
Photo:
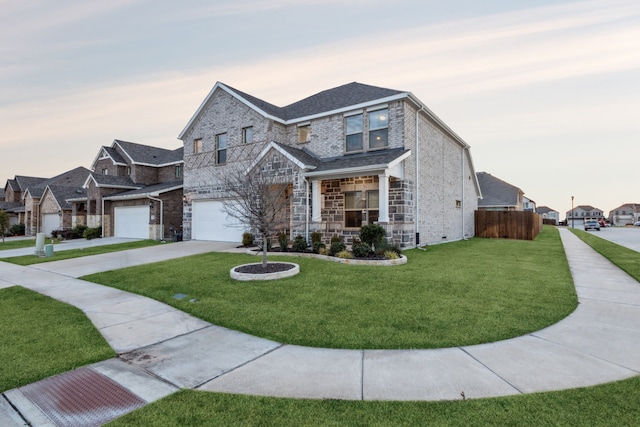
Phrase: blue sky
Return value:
(545, 92)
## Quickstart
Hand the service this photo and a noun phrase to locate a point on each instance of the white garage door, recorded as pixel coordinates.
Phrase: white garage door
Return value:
(50, 222)
(132, 221)
(209, 221)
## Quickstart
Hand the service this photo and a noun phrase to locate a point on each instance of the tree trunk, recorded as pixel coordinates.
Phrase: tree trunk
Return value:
(264, 251)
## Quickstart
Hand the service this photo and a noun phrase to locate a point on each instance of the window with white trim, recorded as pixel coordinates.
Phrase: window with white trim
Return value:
(197, 146)
(353, 131)
(221, 148)
(377, 132)
(361, 207)
(304, 133)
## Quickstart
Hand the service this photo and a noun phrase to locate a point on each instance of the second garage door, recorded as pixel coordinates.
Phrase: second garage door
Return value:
(209, 221)
(50, 222)
(132, 221)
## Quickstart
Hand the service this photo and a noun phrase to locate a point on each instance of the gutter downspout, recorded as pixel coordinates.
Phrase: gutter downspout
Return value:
(418, 177)
(462, 198)
(161, 219)
(306, 203)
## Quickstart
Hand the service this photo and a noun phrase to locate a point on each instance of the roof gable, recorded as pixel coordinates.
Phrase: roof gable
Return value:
(496, 192)
(147, 155)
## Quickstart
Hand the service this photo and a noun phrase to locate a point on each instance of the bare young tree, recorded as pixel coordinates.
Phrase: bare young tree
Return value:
(258, 199)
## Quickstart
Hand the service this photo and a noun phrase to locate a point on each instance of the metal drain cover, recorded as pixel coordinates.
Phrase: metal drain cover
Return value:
(82, 397)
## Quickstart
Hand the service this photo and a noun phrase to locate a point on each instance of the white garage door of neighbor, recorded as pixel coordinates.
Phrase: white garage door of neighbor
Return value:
(209, 221)
(50, 222)
(132, 221)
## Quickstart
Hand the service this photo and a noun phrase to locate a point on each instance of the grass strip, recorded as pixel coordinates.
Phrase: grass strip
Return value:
(43, 337)
(455, 294)
(77, 253)
(605, 405)
(17, 244)
(626, 259)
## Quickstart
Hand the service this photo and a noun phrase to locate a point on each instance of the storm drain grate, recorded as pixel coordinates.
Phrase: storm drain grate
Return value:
(82, 397)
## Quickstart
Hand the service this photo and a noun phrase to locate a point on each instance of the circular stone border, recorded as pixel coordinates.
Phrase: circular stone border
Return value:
(245, 277)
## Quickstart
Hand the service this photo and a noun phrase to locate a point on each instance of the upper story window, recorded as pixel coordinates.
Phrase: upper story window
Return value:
(354, 129)
(377, 131)
(197, 146)
(105, 171)
(304, 133)
(221, 149)
(247, 135)
(128, 170)
(378, 128)
(178, 171)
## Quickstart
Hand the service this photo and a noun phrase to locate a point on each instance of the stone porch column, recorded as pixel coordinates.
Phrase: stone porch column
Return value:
(383, 190)
(316, 213)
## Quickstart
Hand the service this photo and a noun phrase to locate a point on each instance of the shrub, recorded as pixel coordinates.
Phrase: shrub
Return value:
(316, 237)
(337, 246)
(247, 239)
(372, 234)
(77, 232)
(335, 238)
(360, 249)
(323, 251)
(92, 233)
(391, 255)
(283, 241)
(344, 254)
(318, 246)
(299, 244)
(385, 246)
(17, 229)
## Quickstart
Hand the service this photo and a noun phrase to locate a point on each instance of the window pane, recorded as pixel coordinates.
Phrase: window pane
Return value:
(247, 135)
(378, 138)
(373, 199)
(222, 156)
(353, 200)
(353, 218)
(373, 216)
(304, 133)
(222, 141)
(354, 124)
(197, 146)
(354, 142)
(379, 119)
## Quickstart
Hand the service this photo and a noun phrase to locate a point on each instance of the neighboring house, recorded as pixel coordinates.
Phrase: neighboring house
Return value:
(576, 216)
(34, 215)
(353, 155)
(548, 213)
(626, 214)
(56, 211)
(14, 191)
(498, 195)
(528, 205)
(134, 191)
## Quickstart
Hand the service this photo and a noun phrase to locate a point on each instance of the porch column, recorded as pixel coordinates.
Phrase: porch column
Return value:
(316, 214)
(383, 191)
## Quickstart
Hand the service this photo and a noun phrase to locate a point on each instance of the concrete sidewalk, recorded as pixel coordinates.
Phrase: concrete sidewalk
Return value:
(64, 245)
(164, 350)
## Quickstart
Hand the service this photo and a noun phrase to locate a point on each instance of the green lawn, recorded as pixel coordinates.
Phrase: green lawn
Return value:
(43, 337)
(16, 244)
(627, 259)
(615, 404)
(76, 253)
(454, 294)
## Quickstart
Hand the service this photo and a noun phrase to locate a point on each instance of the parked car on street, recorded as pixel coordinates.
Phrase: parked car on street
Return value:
(592, 224)
(637, 224)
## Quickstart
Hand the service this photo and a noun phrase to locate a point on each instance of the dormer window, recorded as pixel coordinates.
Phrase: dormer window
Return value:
(105, 171)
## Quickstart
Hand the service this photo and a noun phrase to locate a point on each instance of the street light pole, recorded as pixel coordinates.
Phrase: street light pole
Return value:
(572, 212)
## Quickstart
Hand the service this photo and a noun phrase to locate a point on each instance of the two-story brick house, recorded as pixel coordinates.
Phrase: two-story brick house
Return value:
(134, 190)
(354, 154)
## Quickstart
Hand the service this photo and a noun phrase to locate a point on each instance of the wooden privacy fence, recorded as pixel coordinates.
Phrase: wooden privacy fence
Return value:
(507, 224)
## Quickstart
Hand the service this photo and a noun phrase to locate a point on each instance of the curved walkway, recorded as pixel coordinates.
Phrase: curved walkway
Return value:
(162, 349)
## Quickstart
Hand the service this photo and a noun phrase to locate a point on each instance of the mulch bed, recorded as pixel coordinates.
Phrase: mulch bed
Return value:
(272, 267)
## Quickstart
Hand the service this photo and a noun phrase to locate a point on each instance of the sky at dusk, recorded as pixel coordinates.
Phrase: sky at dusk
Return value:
(546, 93)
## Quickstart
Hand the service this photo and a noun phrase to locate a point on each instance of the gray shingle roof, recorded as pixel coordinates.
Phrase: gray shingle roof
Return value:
(24, 182)
(381, 157)
(322, 102)
(544, 210)
(114, 181)
(150, 189)
(147, 154)
(496, 192)
(62, 193)
(114, 155)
